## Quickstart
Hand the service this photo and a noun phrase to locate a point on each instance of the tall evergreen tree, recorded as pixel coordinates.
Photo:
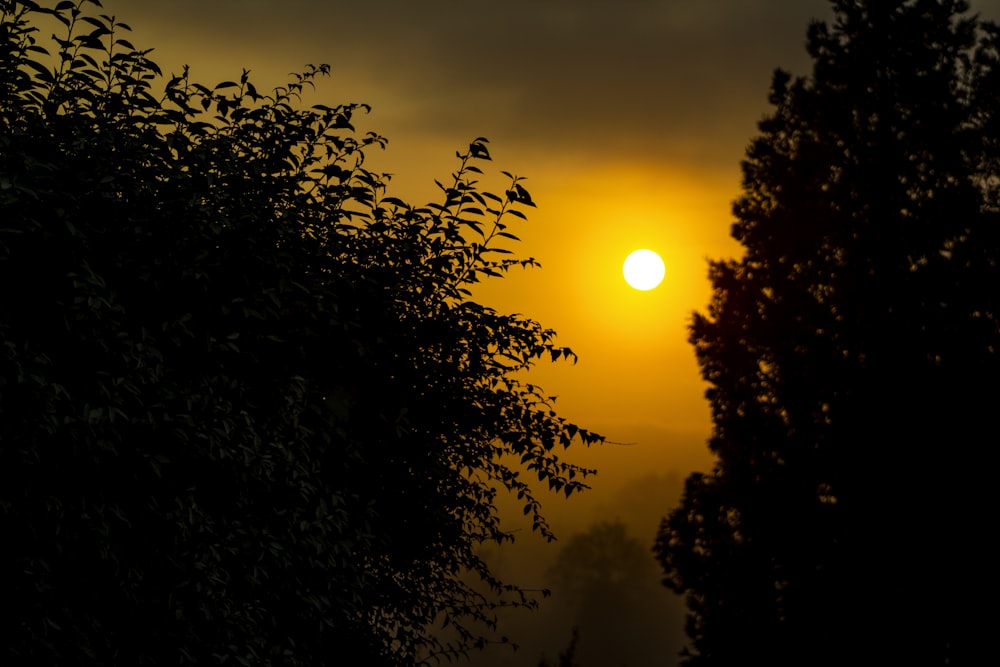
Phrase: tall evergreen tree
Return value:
(851, 354)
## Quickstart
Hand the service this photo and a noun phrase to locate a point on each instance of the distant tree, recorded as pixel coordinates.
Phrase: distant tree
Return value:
(602, 565)
(604, 582)
(851, 354)
(249, 413)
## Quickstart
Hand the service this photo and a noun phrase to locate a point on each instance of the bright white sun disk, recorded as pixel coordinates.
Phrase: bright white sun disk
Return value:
(643, 270)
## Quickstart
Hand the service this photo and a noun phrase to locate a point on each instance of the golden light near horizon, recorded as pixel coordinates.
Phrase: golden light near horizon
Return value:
(643, 270)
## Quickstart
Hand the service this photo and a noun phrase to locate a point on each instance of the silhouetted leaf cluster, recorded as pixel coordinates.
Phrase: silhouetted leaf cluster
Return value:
(851, 354)
(248, 410)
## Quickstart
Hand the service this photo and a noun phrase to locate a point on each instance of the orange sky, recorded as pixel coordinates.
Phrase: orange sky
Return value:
(628, 118)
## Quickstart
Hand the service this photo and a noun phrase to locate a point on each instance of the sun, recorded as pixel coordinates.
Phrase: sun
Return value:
(643, 270)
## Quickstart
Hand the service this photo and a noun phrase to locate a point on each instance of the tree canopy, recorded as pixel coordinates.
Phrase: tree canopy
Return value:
(249, 409)
(851, 354)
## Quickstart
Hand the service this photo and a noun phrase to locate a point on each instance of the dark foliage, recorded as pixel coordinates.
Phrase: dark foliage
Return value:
(248, 410)
(852, 360)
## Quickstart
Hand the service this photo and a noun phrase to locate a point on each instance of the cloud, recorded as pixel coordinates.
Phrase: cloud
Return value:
(639, 76)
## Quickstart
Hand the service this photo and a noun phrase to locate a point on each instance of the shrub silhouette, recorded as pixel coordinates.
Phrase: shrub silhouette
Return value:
(249, 411)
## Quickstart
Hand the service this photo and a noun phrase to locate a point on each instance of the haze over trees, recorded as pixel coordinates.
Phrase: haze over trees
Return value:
(605, 585)
(249, 412)
(851, 354)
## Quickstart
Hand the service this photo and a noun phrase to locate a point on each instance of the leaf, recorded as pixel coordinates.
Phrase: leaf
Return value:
(522, 195)
(478, 150)
(42, 72)
(102, 27)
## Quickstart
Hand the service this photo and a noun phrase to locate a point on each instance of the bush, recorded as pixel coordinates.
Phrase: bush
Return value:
(249, 410)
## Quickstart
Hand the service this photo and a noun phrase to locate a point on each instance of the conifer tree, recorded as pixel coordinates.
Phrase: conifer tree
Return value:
(851, 354)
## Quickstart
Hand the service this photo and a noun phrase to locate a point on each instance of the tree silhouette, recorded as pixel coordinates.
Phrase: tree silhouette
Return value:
(852, 359)
(249, 412)
(604, 582)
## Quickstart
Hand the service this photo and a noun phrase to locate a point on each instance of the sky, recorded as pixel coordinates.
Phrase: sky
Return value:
(628, 119)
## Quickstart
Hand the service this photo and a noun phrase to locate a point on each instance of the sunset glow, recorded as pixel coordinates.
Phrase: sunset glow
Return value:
(627, 123)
